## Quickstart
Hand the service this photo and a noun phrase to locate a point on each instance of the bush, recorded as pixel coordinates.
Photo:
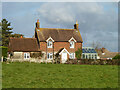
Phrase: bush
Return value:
(36, 54)
(4, 51)
(94, 62)
(78, 53)
(117, 56)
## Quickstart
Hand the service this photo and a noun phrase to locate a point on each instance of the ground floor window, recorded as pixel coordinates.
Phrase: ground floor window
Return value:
(95, 56)
(72, 56)
(92, 57)
(89, 56)
(86, 57)
(49, 56)
(83, 56)
(26, 55)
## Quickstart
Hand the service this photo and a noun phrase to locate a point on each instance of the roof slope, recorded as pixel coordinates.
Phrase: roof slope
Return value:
(58, 34)
(23, 44)
(107, 54)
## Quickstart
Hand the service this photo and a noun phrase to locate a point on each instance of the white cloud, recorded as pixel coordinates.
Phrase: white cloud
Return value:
(95, 23)
(55, 13)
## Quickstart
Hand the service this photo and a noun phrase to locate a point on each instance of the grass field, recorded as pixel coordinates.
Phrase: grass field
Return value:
(33, 75)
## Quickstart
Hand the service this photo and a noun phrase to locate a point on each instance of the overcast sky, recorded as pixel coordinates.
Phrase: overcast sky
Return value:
(98, 22)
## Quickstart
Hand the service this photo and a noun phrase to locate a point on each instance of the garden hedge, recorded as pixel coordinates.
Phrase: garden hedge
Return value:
(95, 62)
(4, 51)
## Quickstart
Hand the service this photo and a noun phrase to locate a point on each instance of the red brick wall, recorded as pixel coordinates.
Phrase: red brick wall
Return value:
(43, 46)
(59, 45)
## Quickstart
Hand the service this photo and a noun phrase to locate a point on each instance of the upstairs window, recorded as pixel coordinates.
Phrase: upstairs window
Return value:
(49, 44)
(71, 44)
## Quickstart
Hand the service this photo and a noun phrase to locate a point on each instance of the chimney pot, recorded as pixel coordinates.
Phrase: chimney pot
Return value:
(21, 36)
(76, 25)
(38, 24)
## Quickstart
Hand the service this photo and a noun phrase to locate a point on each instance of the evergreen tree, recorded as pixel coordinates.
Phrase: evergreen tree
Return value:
(5, 31)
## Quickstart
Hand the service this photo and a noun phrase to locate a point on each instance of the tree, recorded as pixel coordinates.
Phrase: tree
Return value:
(5, 32)
(78, 53)
(16, 35)
(96, 45)
(117, 56)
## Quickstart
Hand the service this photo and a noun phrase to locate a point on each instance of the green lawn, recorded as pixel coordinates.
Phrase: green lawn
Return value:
(34, 75)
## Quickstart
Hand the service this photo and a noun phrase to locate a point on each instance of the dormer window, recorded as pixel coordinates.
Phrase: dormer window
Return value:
(71, 44)
(49, 44)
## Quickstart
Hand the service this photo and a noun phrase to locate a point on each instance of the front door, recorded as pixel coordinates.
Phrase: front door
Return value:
(64, 57)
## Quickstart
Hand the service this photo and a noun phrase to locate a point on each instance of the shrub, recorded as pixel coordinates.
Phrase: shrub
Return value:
(94, 62)
(78, 53)
(4, 51)
(36, 54)
(57, 58)
(117, 56)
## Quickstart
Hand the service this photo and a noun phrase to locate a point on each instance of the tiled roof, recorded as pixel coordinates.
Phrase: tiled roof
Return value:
(107, 54)
(23, 44)
(58, 34)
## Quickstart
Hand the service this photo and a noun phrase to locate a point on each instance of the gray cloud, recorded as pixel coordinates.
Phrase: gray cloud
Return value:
(95, 23)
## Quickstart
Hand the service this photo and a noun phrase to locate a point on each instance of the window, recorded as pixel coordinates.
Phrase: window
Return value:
(95, 56)
(89, 56)
(72, 44)
(49, 56)
(92, 57)
(72, 55)
(83, 56)
(86, 57)
(49, 44)
(26, 55)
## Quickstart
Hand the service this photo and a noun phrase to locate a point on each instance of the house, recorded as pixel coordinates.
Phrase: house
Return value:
(54, 40)
(51, 41)
(89, 53)
(22, 48)
(105, 54)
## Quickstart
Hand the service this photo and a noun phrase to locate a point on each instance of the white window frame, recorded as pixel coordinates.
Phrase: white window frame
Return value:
(72, 56)
(26, 55)
(49, 55)
(49, 44)
(72, 44)
(83, 56)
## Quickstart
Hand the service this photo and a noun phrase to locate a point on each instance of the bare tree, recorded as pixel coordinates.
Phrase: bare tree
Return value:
(96, 45)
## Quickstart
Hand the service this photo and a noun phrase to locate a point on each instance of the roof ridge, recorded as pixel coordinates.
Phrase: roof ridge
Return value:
(58, 28)
(22, 38)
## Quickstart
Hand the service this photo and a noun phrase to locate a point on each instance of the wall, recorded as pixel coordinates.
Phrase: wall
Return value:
(17, 55)
(58, 45)
(89, 54)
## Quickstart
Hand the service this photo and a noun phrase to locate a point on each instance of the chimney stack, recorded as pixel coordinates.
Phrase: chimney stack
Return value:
(38, 24)
(76, 25)
(21, 36)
